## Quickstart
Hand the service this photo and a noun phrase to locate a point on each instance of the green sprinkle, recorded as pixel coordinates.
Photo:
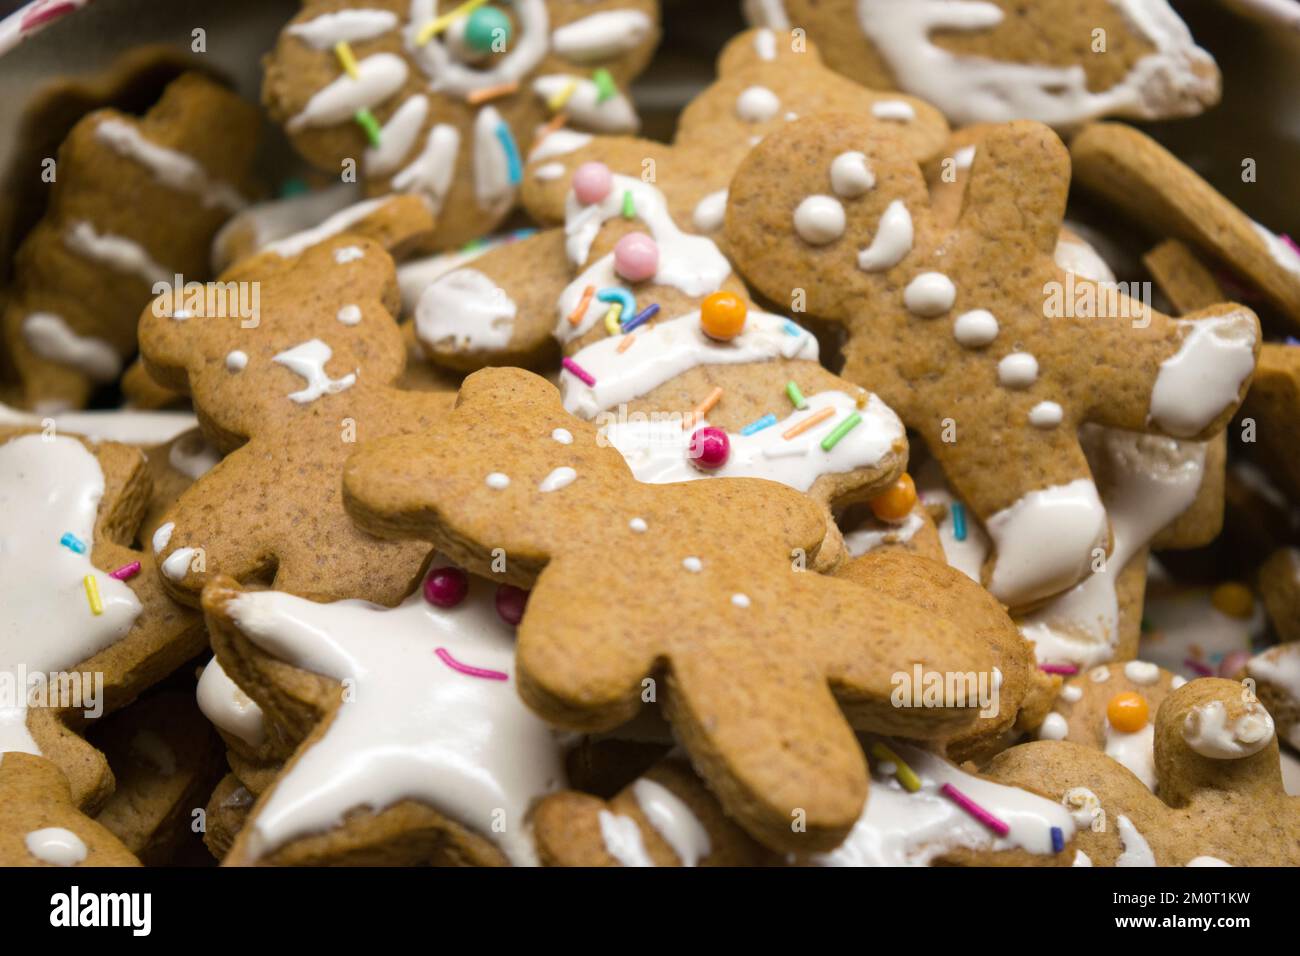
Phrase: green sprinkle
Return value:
(796, 396)
(294, 186)
(629, 206)
(840, 430)
(369, 124)
(605, 88)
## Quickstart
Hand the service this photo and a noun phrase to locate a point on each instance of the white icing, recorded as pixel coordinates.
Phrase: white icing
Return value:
(225, 704)
(622, 839)
(1279, 250)
(236, 361)
(49, 488)
(547, 172)
(614, 114)
(343, 26)
(492, 186)
(1046, 415)
(897, 110)
(765, 44)
(740, 600)
(1207, 861)
(757, 104)
(56, 845)
(1017, 370)
(430, 174)
(275, 219)
(559, 478)
(673, 820)
(465, 311)
(693, 564)
(346, 254)
(1137, 852)
(601, 36)
(892, 241)
(378, 77)
(1054, 727)
(296, 243)
(710, 212)
(638, 525)
(1099, 675)
(397, 136)
(559, 143)
(1072, 693)
(563, 436)
(1204, 376)
(929, 294)
(412, 728)
(1279, 667)
(1081, 859)
(1083, 260)
(173, 169)
(308, 361)
(963, 157)
(819, 220)
(349, 314)
(162, 536)
(863, 540)
(967, 555)
(177, 564)
(1143, 673)
(1085, 808)
(192, 456)
(448, 75)
(50, 337)
(498, 480)
(666, 350)
(1134, 750)
(1207, 731)
(851, 176)
(117, 252)
(975, 329)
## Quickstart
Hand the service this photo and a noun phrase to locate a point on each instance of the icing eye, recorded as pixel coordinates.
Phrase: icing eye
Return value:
(1128, 712)
(896, 503)
(722, 316)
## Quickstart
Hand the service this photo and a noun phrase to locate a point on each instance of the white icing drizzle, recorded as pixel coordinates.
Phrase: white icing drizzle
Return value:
(1046, 415)
(466, 311)
(622, 839)
(1081, 859)
(1017, 370)
(601, 36)
(430, 174)
(668, 349)
(563, 436)
(559, 143)
(1203, 377)
(1143, 673)
(1207, 731)
(50, 337)
(1207, 861)
(49, 488)
(379, 76)
(549, 172)
(308, 360)
(863, 540)
(757, 104)
(1137, 852)
(299, 242)
(673, 820)
(1134, 751)
(128, 427)
(470, 749)
(897, 110)
(448, 75)
(397, 136)
(765, 44)
(56, 845)
(614, 114)
(1072, 693)
(346, 254)
(498, 480)
(1279, 667)
(236, 361)
(710, 212)
(492, 187)
(349, 314)
(343, 26)
(1279, 250)
(1082, 259)
(277, 218)
(172, 168)
(224, 703)
(892, 241)
(117, 252)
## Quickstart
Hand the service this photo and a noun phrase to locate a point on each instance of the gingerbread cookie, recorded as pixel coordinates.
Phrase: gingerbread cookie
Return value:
(1279, 586)
(1221, 799)
(102, 247)
(511, 449)
(1276, 673)
(1272, 404)
(1182, 277)
(998, 61)
(447, 104)
(997, 392)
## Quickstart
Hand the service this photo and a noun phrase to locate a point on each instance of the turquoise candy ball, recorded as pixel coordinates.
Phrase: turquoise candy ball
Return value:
(484, 26)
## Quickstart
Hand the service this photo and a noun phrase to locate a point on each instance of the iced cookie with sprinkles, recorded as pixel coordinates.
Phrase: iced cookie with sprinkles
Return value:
(136, 202)
(84, 624)
(647, 558)
(1220, 795)
(445, 99)
(40, 824)
(989, 359)
(994, 61)
(414, 745)
(286, 394)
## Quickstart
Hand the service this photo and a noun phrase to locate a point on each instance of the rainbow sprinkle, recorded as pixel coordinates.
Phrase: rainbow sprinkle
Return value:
(367, 122)
(475, 97)
(975, 810)
(626, 343)
(615, 293)
(642, 317)
(343, 51)
(902, 772)
(438, 24)
(611, 318)
(629, 205)
(816, 418)
(796, 396)
(126, 571)
(577, 370)
(1198, 667)
(580, 310)
(1058, 669)
(73, 543)
(1058, 840)
(767, 421)
(561, 97)
(958, 521)
(791, 329)
(702, 409)
(92, 595)
(514, 168)
(605, 88)
(852, 421)
(444, 655)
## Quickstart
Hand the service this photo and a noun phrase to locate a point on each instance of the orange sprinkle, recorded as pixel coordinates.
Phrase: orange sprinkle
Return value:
(626, 343)
(554, 123)
(703, 408)
(491, 92)
(581, 309)
(813, 419)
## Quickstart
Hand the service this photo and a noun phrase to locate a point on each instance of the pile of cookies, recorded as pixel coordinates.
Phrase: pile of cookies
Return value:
(831, 485)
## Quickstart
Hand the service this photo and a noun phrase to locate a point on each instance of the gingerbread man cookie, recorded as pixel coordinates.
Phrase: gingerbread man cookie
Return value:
(447, 103)
(996, 360)
(993, 60)
(593, 533)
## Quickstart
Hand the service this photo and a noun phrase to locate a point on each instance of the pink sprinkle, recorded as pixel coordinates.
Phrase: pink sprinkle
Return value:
(579, 371)
(1198, 667)
(974, 809)
(44, 13)
(126, 571)
(1290, 242)
(1058, 668)
(444, 655)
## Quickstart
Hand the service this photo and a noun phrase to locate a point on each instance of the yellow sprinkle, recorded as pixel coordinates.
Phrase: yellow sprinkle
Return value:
(611, 318)
(902, 771)
(438, 24)
(556, 102)
(92, 595)
(349, 62)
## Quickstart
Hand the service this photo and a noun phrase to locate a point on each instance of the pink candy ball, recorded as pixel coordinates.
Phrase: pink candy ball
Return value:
(636, 257)
(592, 182)
(1232, 664)
(710, 448)
(511, 602)
(446, 587)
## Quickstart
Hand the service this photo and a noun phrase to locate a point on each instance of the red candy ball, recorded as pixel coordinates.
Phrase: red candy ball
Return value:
(710, 448)
(446, 587)
(511, 602)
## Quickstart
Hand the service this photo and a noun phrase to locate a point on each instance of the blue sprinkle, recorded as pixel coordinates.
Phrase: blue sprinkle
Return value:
(767, 421)
(959, 521)
(1058, 840)
(515, 169)
(642, 317)
(791, 329)
(73, 543)
(620, 295)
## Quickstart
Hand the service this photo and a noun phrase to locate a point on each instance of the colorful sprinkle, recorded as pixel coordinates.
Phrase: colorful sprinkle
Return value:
(896, 502)
(581, 309)
(367, 121)
(620, 295)
(514, 166)
(92, 595)
(791, 329)
(1066, 669)
(636, 257)
(438, 24)
(626, 343)
(343, 50)
(629, 205)
(642, 317)
(293, 186)
(852, 421)
(958, 521)
(126, 571)
(1058, 840)
(561, 96)
(577, 370)
(796, 396)
(722, 316)
(73, 543)
(605, 88)
(444, 655)
(702, 409)
(767, 421)
(974, 809)
(1198, 667)
(475, 97)
(611, 318)
(592, 182)
(554, 123)
(902, 772)
(816, 418)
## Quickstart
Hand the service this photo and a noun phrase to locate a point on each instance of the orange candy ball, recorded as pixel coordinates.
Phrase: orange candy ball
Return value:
(1234, 600)
(722, 316)
(896, 503)
(1128, 712)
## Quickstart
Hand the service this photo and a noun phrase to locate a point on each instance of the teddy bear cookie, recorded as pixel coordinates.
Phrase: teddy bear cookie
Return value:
(985, 353)
(510, 448)
(102, 247)
(997, 61)
(1219, 800)
(445, 103)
